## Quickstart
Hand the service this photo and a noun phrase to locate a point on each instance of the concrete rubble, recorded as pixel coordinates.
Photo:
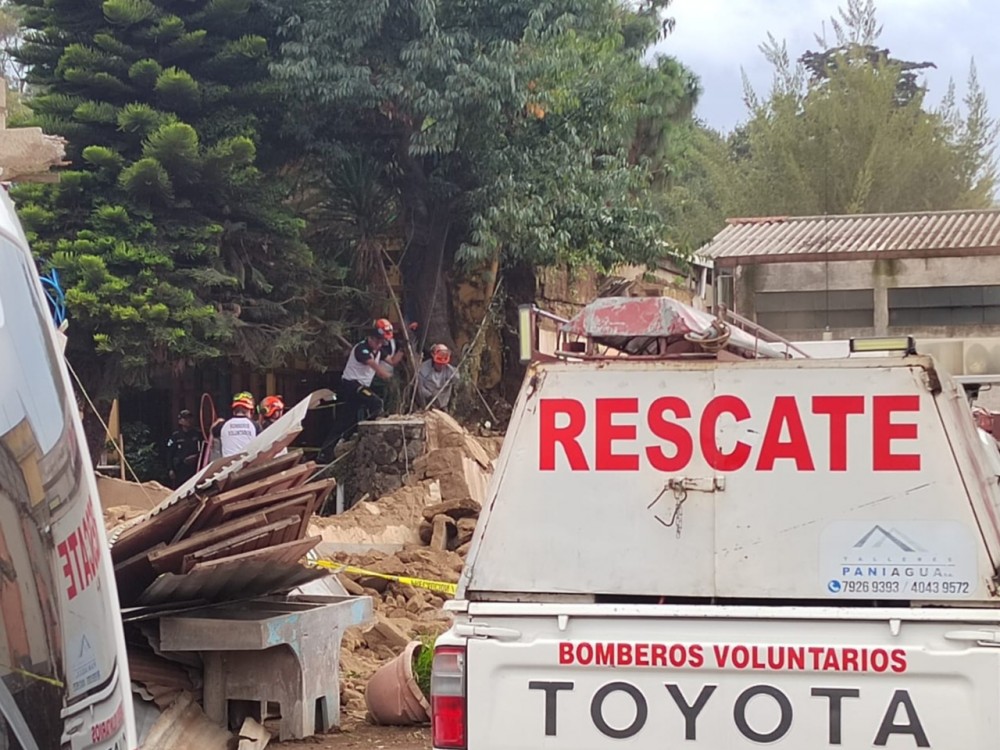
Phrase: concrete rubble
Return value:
(446, 487)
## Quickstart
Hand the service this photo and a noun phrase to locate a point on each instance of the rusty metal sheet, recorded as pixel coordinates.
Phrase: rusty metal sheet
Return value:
(229, 579)
(624, 319)
(855, 237)
(260, 449)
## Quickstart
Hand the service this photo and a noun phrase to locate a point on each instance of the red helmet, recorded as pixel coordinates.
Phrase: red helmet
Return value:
(272, 406)
(243, 400)
(383, 328)
(441, 354)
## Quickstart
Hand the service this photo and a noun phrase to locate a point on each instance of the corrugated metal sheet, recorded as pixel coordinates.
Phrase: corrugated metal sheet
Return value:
(242, 579)
(856, 237)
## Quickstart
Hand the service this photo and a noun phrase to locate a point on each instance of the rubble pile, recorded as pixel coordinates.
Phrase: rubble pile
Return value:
(403, 613)
(238, 532)
(428, 524)
(242, 532)
(449, 480)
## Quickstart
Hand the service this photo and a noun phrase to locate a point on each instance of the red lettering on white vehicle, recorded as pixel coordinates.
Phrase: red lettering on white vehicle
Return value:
(669, 424)
(740, 657)
(81, 556)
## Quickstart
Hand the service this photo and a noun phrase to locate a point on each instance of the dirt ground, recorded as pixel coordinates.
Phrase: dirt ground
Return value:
(368, 737)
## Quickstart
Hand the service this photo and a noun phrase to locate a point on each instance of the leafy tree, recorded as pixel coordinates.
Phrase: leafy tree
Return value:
(845, 130)
(170, 233)
(502, 130)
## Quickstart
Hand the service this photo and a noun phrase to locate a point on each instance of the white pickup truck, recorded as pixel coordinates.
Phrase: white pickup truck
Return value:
(699, 549)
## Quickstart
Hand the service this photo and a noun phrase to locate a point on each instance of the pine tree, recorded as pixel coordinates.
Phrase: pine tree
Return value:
(170, 233)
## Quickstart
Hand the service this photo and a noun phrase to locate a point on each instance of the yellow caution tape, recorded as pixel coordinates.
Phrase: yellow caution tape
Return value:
(442, 586)
(33, 676)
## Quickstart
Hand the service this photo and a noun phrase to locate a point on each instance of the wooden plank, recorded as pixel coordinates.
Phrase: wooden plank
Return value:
(254, 471)
(281, 481)
(192, 519)
(290, 552)
(264, 456)
(262, 536)
(321, 499)
(169, 559)
(261, 502)
(132, 576)
(308, 514)
(159, 528)
(300, 506)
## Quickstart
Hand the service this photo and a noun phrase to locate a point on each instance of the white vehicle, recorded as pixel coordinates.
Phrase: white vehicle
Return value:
(687, 547)
(63, 672)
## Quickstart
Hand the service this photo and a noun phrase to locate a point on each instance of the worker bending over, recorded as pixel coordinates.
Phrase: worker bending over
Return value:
(355, 398)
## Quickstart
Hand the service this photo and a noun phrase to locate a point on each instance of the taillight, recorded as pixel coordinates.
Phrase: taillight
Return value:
(448, 697)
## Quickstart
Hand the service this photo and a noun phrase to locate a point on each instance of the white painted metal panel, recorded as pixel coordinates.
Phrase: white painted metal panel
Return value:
(579, 505)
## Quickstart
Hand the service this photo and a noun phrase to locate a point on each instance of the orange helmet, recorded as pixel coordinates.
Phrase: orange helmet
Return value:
(441, 354)
(243, 400)
(271, 406)
(383, 328)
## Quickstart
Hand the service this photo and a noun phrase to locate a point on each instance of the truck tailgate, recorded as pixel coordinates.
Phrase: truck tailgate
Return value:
(641, 677)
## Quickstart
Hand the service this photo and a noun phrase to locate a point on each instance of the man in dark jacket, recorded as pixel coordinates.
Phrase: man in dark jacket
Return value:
(183, 450)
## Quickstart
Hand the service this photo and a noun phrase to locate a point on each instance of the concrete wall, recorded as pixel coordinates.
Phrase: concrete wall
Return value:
(880, 276)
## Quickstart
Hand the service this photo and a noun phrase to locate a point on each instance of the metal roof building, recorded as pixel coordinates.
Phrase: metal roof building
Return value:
(933, 234)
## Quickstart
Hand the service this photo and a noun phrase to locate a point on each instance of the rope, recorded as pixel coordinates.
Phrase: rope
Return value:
(406, 455)
(107, 431)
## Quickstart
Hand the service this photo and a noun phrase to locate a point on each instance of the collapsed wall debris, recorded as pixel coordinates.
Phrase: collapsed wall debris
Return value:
(212, 582)
(391, 534)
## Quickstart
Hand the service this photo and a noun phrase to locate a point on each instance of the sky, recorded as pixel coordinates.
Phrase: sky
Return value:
(715, 38)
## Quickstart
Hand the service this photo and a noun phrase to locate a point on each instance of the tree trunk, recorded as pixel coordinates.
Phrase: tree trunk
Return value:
(473, 297)
(426, 269)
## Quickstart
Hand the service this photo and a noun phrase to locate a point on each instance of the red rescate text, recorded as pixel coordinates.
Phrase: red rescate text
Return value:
(680, 433)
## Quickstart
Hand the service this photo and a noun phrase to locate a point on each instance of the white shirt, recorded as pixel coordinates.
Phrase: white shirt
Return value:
(356, 368)
(236, 435)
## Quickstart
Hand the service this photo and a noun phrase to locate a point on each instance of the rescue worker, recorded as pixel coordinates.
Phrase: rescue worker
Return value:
(272, 408)
(368, 358)
(236, 432)
(183, 450)
(435, 378)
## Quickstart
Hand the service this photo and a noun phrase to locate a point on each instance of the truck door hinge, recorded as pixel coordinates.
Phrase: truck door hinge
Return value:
(979, 637)
(471, 630)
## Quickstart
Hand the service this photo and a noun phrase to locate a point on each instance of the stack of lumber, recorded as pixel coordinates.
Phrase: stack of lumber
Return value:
(239, 535)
